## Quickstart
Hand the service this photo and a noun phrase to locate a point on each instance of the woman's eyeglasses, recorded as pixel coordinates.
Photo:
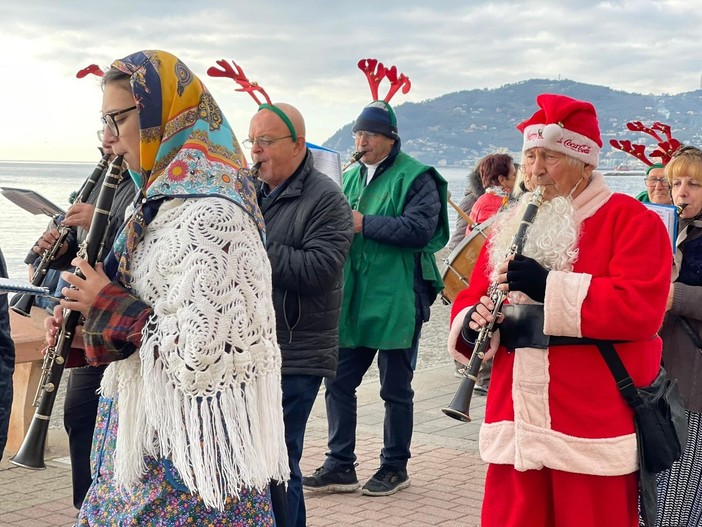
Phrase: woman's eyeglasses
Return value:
(108, 120)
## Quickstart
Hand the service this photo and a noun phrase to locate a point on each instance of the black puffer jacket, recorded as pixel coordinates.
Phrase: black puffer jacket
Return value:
(309, 228)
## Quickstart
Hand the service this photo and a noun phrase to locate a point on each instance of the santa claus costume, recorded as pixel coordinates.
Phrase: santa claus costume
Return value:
(558, 436)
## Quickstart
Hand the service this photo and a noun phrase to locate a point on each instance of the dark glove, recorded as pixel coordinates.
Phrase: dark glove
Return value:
(468, 334)
(528, 276)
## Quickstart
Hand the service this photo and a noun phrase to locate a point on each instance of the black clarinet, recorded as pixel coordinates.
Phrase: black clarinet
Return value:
(23, 306)
(460, 405)
(31, 452)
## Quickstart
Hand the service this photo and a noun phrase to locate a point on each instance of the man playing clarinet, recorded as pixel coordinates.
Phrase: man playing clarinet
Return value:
(558, 436)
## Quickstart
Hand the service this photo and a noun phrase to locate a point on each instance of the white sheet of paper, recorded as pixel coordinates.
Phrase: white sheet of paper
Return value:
(327, 161)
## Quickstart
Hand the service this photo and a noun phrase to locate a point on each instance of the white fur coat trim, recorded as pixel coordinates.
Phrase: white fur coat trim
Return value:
(530, 443)
(563, 303)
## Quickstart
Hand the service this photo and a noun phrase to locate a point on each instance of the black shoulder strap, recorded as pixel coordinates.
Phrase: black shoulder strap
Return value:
(625, 384)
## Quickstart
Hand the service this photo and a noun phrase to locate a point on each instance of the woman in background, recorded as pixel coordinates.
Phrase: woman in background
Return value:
(498, 175)
(190, 428)
(679, 489)
(474, 189)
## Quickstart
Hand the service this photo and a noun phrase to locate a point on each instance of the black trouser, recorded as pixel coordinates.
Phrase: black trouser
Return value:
(79, 413)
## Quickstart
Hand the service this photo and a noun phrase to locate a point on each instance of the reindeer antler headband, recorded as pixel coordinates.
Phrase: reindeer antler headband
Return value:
(665, 150)
(375, 73)
(252, 88)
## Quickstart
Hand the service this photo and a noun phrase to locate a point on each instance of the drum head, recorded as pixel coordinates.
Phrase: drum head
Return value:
(460, 263)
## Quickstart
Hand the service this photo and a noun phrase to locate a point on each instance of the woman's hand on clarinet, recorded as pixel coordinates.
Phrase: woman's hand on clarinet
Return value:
(52, 325)
(83, 291)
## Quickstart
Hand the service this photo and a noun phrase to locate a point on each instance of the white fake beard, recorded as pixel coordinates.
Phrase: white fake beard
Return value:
(551, 240)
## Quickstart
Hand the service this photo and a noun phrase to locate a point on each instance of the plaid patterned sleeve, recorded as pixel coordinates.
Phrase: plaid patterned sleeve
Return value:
(112, 329)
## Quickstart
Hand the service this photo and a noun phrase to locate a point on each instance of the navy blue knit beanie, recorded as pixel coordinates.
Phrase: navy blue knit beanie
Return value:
(377, 117)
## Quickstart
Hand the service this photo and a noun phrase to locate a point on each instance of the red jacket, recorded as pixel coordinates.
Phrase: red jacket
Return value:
(560, 407)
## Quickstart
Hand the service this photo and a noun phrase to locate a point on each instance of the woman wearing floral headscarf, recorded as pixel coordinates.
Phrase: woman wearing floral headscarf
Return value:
(190, 428)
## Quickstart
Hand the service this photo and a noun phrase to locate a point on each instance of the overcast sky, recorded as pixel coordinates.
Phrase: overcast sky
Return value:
(305, 52)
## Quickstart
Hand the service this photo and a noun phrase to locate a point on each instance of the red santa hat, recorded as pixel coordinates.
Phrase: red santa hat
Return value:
(565, 125)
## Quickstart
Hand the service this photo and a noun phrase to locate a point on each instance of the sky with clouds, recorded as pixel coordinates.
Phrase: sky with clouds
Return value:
(305, 53)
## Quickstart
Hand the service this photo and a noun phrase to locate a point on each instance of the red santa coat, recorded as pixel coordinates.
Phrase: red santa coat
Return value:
(560, 407)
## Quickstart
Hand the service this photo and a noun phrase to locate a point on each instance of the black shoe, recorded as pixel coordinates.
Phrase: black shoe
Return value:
(480, 390)
(331, 481)
(386, 481)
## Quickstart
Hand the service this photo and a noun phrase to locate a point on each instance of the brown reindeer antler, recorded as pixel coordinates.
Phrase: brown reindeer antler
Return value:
(93, 68)
(375, 73)
(664, 150)
(240, 78)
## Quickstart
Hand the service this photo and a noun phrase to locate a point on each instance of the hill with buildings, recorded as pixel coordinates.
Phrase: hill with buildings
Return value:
(458, 128)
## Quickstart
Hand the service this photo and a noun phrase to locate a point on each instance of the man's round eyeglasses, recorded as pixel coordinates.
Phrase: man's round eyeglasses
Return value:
(653, 181)
(262, 141)
(108, 120)
(368, 135)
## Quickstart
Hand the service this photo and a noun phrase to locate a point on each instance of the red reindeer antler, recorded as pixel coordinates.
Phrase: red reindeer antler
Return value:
(396, 83)
(664, 150)
(240, 78)
(375, 73)
(638, 151)
(93, 68)
(638, 126)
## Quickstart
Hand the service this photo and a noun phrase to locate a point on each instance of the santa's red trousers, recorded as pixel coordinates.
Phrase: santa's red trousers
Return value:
(552, 498)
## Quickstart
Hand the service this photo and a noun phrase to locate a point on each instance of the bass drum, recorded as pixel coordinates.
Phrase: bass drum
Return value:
(459, 264)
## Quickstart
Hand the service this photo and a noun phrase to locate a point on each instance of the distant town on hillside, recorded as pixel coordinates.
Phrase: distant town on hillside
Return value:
(459, 128)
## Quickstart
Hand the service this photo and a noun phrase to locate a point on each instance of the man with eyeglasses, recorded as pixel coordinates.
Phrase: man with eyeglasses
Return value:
(309, 229)
(391, 280)
(657, 186)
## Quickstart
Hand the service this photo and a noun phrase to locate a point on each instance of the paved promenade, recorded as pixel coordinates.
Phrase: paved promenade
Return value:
(446, 471)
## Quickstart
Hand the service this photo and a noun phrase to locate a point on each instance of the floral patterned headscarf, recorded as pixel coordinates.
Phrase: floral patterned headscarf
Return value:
(187, 147)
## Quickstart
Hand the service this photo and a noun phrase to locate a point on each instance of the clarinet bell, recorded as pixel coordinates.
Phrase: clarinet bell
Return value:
(459, 407)
(23, 305)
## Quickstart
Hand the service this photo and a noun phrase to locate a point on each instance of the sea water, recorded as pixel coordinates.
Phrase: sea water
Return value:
(56, 181)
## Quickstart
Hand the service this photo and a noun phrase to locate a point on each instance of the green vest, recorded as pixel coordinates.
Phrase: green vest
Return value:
(378, 310)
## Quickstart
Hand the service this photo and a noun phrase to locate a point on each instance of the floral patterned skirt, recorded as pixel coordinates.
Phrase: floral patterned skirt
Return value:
(160, 498)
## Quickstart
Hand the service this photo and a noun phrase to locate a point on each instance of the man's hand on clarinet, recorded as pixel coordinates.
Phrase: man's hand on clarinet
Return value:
(477, 317)
(79, 215)
(83, 291)
(524, 274)
(47, 241)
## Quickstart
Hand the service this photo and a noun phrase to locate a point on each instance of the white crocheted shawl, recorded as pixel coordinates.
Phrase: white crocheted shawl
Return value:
(204, 389)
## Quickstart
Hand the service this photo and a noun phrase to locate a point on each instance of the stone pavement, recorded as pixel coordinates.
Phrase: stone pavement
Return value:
(446, 472)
